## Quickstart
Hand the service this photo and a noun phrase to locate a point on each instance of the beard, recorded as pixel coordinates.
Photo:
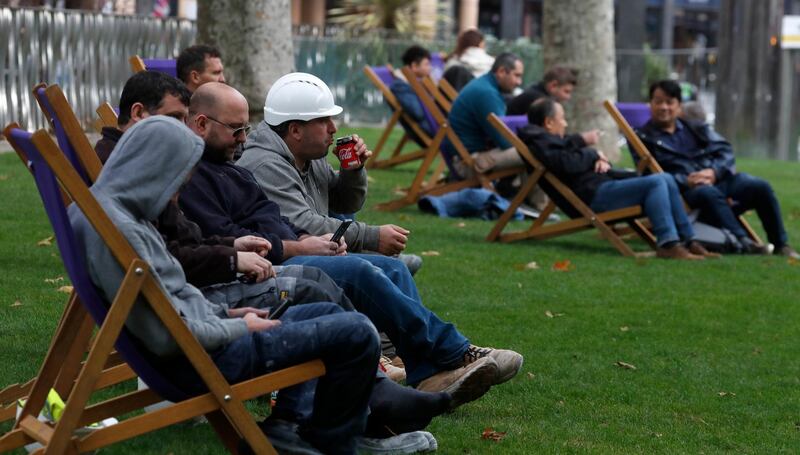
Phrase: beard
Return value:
(217, 154)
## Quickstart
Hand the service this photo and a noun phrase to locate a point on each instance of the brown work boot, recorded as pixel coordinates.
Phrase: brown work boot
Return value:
(698, 249)
(508, 362)
(464, 384)
(393, 372)
(677, 251)
(787, 251)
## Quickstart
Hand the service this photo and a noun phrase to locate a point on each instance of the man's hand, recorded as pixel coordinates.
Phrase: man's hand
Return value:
(252, 243)
(319, 245)
(699, 178)
(601, 167)
(241, 312)
(253, 265)
(257, 324)
(591, 137)
(361, 149)
(392, 239)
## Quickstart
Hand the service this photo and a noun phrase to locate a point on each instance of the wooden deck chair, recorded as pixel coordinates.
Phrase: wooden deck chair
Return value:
(115, 371)
(646, 162)
(162, 65)
(108, 116)
(69, 132)
(581, 215)
(419, 187)
(222, 405)
(382, 77)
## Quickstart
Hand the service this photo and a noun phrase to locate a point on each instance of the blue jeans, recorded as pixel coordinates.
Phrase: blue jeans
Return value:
(748, 192)
(381, 288)
(659, 196)
(346, 342)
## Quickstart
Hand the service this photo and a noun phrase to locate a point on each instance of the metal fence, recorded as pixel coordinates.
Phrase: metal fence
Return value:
(85, 53)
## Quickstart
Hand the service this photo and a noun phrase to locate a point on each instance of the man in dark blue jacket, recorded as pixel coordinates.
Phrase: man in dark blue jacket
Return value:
(418, 60)
(703, 164)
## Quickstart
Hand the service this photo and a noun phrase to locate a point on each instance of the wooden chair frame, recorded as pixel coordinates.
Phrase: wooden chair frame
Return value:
(647, 162)
(115, 371)
(137, 64)
(108, 116)
(223, 404)
(419, 187)
(589, 219)
(397, 113)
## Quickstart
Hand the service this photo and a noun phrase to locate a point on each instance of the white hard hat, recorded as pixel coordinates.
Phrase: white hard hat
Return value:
(299, 96)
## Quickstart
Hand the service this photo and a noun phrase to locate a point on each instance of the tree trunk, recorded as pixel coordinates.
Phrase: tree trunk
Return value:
(580, 34)
(255, 40)
(749, 96)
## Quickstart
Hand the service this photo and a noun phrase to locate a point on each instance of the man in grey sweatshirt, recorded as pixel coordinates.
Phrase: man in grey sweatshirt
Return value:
(286, 153)
(133, 189)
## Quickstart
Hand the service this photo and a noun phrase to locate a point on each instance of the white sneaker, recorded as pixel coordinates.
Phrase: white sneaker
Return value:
(413, 442)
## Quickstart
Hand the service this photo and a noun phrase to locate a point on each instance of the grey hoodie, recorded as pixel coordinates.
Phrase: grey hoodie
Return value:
(148, 166)
(306, 197)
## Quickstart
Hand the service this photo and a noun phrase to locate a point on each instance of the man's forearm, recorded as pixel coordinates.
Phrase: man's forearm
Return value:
(291, 248)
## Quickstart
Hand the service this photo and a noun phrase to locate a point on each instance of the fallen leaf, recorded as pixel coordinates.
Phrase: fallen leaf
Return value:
(431, 253)
(65, 289)
(399, 191)
(404, 217)
(726, 394)
(54, 280)
(550, 314)
(624, 328)
(45, 242)
(461, 225)
(16, 303)
(658, 435)
(792, 261)
(519, 285)
(370, 179)
(563, 266)
(756, 351)
(529, 266)
(531, 375)
(3, 177)
(490, 434)
(624, 365)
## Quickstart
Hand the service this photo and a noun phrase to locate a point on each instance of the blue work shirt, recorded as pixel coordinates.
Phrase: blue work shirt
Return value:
(477, 100)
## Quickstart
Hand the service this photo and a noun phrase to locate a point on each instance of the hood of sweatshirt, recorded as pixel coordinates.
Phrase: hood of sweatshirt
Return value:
(163, 151)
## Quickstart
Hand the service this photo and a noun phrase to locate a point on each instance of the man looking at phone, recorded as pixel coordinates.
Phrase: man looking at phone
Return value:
(287, 154)
(225, 199)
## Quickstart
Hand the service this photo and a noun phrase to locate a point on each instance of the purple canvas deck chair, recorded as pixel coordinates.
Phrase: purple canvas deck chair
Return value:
(162, 65)
(382, 78)
(222, 406)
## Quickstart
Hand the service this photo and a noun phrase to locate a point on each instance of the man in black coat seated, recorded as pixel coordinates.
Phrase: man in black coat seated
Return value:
(588, 173)
(703, 164)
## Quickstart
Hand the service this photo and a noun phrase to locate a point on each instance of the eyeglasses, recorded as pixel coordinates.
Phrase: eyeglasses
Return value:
(236, 131)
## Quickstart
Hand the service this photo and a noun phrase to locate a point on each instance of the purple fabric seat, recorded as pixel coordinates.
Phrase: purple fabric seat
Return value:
(437, 66)
(636, 114)
(384, 74)
(162, 65)
(75, 265)
(515, 122)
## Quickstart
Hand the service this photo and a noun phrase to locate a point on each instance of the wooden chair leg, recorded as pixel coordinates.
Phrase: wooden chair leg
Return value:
(643, 232)
(227, 434)
(384, 137)
(400, 145)
(523, 192)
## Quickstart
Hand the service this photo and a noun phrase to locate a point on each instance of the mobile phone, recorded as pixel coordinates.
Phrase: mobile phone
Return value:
(341, 230)
(278, 312)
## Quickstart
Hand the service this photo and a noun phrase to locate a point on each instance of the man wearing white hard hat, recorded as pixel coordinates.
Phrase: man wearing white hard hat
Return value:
(286, 152)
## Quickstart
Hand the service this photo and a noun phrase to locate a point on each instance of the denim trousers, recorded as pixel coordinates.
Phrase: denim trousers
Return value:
(659, 197)
(747, 192)
(349, 347)
(381, 288)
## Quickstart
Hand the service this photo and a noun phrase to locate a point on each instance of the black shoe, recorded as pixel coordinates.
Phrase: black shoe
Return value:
(751, 247)
(284, 437)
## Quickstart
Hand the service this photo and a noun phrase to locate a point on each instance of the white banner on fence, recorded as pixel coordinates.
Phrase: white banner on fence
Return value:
(790, 32)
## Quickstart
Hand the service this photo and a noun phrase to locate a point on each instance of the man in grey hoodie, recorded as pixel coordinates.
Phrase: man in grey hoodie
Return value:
(133, 189)
(286, 153)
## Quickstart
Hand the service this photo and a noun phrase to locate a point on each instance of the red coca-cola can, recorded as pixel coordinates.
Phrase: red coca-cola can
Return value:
(346, 152)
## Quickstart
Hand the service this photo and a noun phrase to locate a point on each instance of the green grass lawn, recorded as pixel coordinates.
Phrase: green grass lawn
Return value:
(714, 344)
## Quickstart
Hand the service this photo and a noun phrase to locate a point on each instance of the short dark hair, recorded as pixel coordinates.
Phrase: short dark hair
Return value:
(415, 54)
(193, 58)
(670, 88)
(282, 129)
(149, 88)
(541, 109)
(505, 60)
(562, 75)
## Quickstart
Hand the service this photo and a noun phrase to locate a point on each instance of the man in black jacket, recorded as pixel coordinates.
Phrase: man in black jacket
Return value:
(703, 164)
(586, 172)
